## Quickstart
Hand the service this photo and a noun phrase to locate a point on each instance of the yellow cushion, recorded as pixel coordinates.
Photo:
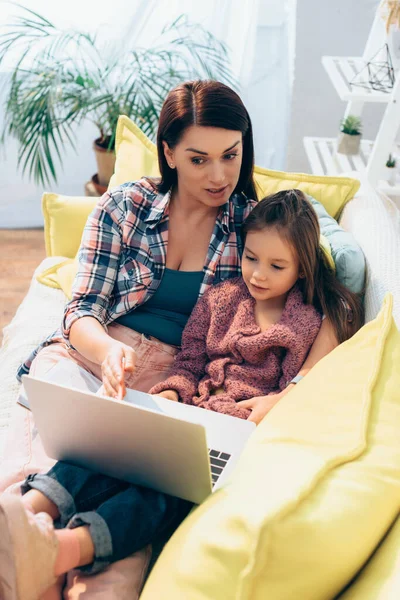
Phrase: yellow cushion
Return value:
(380, 578)
(64, 220)
(61, 275)
(332, 192)
(136, 155)
(315, 490)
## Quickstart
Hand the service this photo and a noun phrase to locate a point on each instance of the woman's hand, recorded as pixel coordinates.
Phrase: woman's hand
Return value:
(120, 358)
(170, 395)
(260, 406)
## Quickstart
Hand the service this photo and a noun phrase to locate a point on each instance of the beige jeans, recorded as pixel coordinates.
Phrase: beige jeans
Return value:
(24, 454)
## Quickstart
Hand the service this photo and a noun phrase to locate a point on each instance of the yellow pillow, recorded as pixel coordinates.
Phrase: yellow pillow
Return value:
(315, 490)
(136, 155)
(332, 192)
(60, 276)
(64, 220)
(380, 578)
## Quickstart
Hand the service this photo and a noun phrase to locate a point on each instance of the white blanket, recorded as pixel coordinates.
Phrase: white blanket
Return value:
(39, 314)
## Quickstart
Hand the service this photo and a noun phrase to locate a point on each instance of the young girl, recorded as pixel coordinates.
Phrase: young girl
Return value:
(248, 337)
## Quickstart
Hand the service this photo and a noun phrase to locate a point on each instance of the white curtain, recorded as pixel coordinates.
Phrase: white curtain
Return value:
(260, 37)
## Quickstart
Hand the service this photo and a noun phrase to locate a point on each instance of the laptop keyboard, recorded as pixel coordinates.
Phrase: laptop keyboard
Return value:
(218, 462)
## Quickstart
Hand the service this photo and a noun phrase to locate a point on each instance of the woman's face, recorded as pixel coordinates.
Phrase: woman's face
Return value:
(208, 161)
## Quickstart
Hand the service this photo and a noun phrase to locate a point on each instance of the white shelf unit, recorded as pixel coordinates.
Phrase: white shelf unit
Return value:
(321, 151)
(342, 70)
(325, 160)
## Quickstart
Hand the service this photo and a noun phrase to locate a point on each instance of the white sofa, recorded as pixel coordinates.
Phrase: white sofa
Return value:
(372, 218)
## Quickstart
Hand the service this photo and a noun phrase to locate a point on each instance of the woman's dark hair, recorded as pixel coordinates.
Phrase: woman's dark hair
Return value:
(294, 217)
(207, 104)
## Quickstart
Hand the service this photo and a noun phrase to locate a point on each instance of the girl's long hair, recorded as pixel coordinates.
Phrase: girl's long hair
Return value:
(207, 104)
(294, 217)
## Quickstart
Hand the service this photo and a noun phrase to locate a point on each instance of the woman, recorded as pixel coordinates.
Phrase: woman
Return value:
(151, 248)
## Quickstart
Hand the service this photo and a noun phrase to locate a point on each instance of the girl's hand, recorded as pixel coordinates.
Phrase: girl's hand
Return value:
(260, 406)
(170, 395)
(119, 359)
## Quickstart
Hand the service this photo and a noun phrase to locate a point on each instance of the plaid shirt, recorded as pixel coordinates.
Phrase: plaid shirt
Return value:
(123, 253)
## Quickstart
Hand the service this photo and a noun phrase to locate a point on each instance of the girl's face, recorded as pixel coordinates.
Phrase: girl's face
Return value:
(208, 161)
(270, 266)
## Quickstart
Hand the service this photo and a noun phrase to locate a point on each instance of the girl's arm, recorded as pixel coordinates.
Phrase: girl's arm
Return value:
(190, 362)
(324, 343)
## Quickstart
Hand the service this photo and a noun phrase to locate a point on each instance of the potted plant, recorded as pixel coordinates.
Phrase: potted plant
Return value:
(390, 170)
(350, 136)
(63, 77)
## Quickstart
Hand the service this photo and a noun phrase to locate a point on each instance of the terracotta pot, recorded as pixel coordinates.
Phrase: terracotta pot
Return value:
(100, 189)
(349, 144)
(105, 163)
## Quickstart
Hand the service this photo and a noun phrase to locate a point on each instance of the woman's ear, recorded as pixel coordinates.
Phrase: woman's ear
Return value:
(169, 156)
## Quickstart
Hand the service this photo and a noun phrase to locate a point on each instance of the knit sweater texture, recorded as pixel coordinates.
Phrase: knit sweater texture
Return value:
(224, 348)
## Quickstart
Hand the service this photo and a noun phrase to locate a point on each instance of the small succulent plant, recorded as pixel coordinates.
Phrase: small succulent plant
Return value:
(351, 125)
(391, 162)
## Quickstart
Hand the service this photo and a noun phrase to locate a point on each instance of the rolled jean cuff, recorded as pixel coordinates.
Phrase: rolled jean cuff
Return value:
(101, 539)
(55, 492)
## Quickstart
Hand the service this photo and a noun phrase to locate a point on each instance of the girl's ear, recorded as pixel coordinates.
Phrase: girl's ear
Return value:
(168, 154)
(301, 275)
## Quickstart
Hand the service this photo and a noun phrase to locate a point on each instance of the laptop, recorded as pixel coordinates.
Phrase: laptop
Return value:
(182, 450)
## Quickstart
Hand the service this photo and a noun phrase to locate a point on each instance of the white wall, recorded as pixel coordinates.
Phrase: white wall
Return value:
(333, 28)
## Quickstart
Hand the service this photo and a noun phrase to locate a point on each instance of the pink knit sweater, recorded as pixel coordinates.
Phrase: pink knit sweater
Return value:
(223, 347)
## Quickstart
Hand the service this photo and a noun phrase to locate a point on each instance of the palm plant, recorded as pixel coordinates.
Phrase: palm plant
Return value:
(62, 77)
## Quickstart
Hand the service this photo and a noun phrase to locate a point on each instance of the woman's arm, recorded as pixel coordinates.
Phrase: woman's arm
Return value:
(90, 338)
(99, 256)
(86, 314)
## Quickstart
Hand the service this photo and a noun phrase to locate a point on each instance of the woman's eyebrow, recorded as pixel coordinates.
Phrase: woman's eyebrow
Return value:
(206, 153)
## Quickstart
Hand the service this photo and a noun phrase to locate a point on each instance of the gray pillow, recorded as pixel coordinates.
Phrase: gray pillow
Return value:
(347, 254)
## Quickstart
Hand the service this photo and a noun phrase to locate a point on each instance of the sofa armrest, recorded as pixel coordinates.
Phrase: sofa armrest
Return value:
(374, 221)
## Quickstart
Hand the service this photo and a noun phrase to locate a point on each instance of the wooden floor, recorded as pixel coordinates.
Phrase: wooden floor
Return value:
(21, 250)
